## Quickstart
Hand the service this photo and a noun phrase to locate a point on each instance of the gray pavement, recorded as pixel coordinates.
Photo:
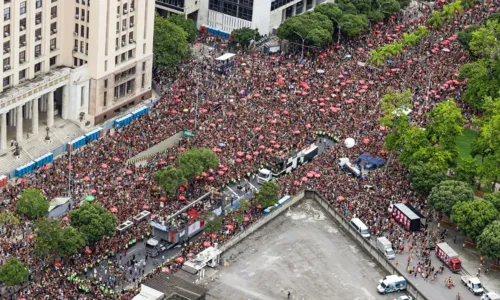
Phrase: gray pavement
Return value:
(301, 251)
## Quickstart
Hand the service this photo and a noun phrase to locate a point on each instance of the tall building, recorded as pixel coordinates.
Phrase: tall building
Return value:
(82, 60)
(265, 15)
(187, 8)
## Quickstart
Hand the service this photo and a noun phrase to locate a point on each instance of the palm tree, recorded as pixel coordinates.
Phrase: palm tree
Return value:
(435, 20)
(377, 58)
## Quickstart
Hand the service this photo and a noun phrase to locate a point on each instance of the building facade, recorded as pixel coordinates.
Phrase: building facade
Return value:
(187, 8)
(265, 15)
(81, 60)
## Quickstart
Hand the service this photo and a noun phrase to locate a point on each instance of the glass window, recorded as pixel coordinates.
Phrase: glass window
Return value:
(6, 14)
(22, 74)
(38, 50)
(53, 12)
(22, 8)
(6, 81)
(38, 67)
(22, 24)
(52, 61)
(38, 3)
(22, 57)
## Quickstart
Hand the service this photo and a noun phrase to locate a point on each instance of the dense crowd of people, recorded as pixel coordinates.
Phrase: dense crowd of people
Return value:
(265, 107)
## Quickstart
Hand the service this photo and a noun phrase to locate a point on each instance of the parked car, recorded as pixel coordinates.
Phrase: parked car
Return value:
(404, 297)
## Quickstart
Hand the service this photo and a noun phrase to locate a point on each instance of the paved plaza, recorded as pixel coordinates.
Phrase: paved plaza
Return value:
(301, 251)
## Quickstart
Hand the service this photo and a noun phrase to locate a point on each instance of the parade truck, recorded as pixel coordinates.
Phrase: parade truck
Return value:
(285, 165)
(449, 257)
(473, 284)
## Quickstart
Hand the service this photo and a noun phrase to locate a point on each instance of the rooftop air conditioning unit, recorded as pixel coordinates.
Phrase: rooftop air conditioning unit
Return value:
(52, 47)
(23, 43)
(54, 30)
(7, 50)
(21, 61)
(131, 41)
(6, 67)
(75, 49)
(77, 16)
(131, 25)
(125, 11)
(6, 34)
(22, 28)
(131, 9)
(39, 37)
(38, 21)
(75, 33)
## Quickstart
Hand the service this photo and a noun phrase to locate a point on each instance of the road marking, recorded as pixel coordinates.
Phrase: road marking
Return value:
(253, 186)
(233, 192)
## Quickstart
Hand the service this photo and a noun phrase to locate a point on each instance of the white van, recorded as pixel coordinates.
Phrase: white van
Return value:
(360, 227)
(490, 296)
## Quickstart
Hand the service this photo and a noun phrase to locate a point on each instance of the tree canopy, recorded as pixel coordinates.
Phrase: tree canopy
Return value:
(245, 35)
(8, 218)
(195, 161)
(268, 194)
(32, 204)
(13, 272)
(214, 223)
(489, 240)
(473, 216)
(170, 43)
(446, 124)
(186, 24)
(94, 222)
(170, 179)
(448, 193)
(494, 198)
(312, 28)
(53, 240)
(424, 177)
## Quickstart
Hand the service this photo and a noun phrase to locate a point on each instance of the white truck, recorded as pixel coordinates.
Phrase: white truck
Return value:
(473, 284)
(385, 246)
(282, 166)
(490, 296)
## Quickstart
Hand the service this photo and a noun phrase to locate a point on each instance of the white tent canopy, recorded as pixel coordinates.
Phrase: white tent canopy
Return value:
(225, 56)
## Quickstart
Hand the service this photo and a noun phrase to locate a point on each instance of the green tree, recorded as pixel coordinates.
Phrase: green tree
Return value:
(376, 58)
(434, 156)
(47, 237)
(245, 35)
(410, 39)
(466, 170)
(484, 42)
(424, 177)
(170, 44)
(8, 218)
(483, 80)
(186, 24)
(347, 7)
(195, 161)
(393, 105)
(268, 194)
(446, 124)
(69, 241)
(170, 179)
(494, 198)
(468, 4)
(411, 142)
(331, 10)
(13, 272)
(489, 144)
(94, 222)
(447, 193)
(208, 158)
(312, 28)
(33, 204)
(436, 20)
(353, 25)
(465, 36)
(473, 216)
(489, 240)
(390, 7)
(214, 223)
(493, 17)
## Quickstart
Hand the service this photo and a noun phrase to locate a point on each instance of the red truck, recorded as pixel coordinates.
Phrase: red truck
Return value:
(449, 257)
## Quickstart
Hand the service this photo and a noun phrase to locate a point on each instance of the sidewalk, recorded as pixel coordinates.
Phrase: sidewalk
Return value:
(471, 263)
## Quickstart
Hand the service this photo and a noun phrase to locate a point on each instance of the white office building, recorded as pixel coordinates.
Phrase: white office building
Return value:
(265, 15)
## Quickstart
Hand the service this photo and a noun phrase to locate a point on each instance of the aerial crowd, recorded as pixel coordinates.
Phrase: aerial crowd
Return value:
(265, 107)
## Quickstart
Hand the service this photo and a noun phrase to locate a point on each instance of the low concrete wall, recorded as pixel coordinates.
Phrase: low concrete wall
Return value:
(364, 243)
(255, 226)
(160, 147)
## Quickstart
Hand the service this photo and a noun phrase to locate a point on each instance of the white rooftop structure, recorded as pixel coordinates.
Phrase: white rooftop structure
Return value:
(225, 56)
(148, 293)
(208, 257)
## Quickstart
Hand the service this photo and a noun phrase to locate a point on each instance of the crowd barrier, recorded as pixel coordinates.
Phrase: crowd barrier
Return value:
(216, 32)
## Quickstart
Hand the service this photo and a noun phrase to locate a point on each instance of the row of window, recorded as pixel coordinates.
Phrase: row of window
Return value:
(242, 9)
(22, 54)
(23, 9)
(23, 27)
(7, 80)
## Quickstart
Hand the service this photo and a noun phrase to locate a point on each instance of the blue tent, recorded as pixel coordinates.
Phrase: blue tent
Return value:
(369, 162)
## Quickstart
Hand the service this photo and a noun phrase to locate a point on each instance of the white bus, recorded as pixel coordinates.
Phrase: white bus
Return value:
(360, 227)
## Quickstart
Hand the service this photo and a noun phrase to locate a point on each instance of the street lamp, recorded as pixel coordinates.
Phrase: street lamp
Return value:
(303, 41)
(47, 138)
(16, 152)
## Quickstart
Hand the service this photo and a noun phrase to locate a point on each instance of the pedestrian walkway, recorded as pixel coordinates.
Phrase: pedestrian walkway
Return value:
(471, 261)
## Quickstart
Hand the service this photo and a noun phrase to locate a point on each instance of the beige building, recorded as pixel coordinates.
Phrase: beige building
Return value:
(81, 60)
